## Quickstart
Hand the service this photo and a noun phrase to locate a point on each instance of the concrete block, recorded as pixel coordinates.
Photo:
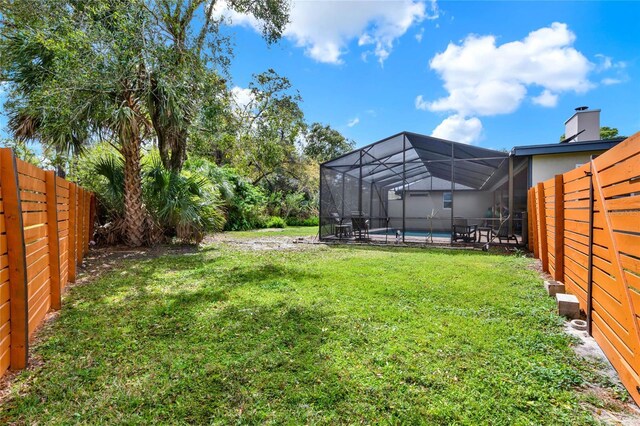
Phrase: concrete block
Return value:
(568, 305)
(553, 287)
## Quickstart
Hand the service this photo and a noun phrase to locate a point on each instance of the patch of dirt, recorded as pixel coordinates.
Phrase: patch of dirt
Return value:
(105, 259)
(265, 243)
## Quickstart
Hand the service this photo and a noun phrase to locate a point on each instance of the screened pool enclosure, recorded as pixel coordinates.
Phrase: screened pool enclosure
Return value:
(411, 187)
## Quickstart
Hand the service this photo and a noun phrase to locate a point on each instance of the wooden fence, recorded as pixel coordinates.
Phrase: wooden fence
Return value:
(45, 228)
(585, 228)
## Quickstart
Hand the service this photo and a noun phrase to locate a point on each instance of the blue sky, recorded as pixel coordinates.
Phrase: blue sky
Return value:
(495, 74)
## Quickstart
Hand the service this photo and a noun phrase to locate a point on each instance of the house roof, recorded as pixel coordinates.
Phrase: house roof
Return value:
(410, 157)
(564, 148)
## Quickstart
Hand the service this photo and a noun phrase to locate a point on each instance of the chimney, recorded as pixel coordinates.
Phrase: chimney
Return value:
(584, 125)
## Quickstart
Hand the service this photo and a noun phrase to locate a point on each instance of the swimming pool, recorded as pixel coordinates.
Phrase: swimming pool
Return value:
(423, 234)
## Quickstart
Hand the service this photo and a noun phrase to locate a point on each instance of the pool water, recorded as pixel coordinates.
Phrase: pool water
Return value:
(423, 234)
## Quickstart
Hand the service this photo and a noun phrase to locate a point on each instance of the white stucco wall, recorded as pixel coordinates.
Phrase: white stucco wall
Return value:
(544, 167)
(468, 204)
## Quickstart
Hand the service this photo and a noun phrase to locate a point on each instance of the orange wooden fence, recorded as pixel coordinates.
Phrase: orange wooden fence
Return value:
(44, 234)
(585, 228)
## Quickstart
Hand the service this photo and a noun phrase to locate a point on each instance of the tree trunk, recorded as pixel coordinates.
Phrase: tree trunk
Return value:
(134, 211)
(171, 132)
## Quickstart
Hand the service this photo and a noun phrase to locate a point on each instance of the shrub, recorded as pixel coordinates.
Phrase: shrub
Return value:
(243, 202)
(276, 222)
(185, 205)
(297, 221)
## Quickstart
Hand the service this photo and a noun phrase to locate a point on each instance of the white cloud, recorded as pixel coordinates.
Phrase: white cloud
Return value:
(605, 62)
(241, 96)
(546, 99)
(325, 28)
(420, 103)
(460, 129)
(611, 81)
(420, 35)
(616, 69)
(353, 122)
(485, 79)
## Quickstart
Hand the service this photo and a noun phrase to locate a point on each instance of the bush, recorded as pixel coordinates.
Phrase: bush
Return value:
(184, 205)
(276, 222)
(243, 202)
(297, 221)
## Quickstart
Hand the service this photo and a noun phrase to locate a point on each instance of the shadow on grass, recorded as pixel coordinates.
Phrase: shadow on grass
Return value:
(190, 354)
(402, 249)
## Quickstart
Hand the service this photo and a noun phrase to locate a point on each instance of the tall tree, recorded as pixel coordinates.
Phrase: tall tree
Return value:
(187, 48)
(81, 70)
(268, 125)
(77, 73)
(324, 143)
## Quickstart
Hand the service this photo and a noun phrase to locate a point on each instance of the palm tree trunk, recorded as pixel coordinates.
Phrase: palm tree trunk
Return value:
(134, 212)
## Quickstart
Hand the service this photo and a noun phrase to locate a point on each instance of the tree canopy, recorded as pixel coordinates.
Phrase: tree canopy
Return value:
(324, 143)
(149, 79)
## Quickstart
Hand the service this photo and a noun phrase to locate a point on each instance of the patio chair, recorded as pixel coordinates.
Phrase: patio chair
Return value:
(360, 226)
(461, 230)
(341, 228)
(503, 232)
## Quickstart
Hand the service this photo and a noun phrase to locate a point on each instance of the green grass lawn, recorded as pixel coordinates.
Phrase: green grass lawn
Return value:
(289, 231)
(319, 335)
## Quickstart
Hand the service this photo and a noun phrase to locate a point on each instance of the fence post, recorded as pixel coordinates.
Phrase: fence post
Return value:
(71, 261)
(54, 242)
(79, 225)
(18, 290)
(531, 218)
(534, 221)
(87, 224)
(92, 216)
(544, 255)
(590, 254)
(559, 226)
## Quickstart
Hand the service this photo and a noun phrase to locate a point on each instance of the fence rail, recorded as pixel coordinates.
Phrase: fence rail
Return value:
(585, 228)
(44, 233)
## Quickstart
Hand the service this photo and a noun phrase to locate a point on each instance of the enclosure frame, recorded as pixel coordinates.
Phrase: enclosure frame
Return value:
(400, 163)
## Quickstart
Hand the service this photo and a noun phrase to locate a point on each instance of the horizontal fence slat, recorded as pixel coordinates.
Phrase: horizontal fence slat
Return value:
(614, 265)
(29, 169)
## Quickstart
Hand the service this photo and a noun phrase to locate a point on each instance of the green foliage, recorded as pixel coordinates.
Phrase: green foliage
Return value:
(315, 335)
(244, 203)
(609, 132)
(275, 222)
(324, 143)
(296, 221)
(110, 188)
(185, 202)
(267, 128)
(100, 170)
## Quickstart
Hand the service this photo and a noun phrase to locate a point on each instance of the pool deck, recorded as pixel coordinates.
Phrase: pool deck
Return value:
(415, 240)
